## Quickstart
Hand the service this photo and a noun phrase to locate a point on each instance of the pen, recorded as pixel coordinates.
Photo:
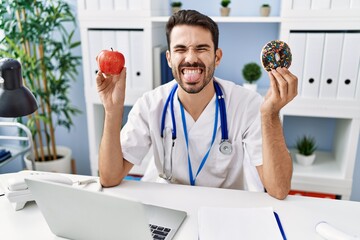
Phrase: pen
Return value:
(280, 226)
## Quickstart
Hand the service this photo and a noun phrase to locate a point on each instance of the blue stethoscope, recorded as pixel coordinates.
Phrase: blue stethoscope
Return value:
(225, 145)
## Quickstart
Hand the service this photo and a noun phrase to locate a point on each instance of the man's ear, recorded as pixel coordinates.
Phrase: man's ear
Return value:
(218, 56)
(168, 58)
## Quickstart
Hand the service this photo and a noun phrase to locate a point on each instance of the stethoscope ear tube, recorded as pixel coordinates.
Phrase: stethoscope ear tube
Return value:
(223, 118)
(163, 115)
(172, 112)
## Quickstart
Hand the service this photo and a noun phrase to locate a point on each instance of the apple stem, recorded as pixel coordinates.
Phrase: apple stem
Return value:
(112, 49)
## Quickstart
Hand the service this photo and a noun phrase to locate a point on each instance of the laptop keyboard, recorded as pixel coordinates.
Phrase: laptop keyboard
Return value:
(158, 232)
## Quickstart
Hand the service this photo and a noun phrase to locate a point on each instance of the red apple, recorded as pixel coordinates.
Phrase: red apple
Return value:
(110, 61)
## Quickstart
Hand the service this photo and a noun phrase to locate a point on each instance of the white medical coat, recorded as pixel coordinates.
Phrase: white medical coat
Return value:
(235, 171)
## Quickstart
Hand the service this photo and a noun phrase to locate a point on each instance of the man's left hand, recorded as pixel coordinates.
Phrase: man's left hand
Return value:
(283, 89)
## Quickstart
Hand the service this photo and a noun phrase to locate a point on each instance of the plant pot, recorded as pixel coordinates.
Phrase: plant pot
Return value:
(305, 160)
(175, 9)
(60, 165)
(265, 11)
(251, 86)
(225, 11)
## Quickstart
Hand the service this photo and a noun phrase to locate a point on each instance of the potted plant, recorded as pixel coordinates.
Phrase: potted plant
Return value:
(35, 34)
(265, 10)
(225, 10)
(305, 147)
(251, 73)
(175, 7)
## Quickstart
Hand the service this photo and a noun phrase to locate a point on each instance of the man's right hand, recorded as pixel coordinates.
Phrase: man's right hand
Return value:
(111, 89)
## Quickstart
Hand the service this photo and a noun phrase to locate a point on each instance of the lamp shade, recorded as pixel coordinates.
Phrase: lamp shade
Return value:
(15, 99)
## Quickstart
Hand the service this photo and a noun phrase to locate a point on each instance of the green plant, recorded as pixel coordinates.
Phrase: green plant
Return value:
(35, 34)
(176, 4)
(265, 5)
(306, 145)
(225, 3)
(251, 72)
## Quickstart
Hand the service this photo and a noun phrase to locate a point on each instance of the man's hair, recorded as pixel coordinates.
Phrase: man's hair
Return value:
(192, 18)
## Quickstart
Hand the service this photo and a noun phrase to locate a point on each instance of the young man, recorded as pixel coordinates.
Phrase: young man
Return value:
(206, 131)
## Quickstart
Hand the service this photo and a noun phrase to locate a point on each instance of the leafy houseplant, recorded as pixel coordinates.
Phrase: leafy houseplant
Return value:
(176, 6)
(225, 10)
(225, 3)
(34, 32)
(251, 73)
(265, 10)
(306, 147)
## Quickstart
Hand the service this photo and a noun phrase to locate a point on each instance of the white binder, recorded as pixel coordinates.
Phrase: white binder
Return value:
(120, 4)
(92, 5)
(301, 4)
(357, 94)
(331, 65)
(136, 4)
(340, 4)
(139, 82)
(106, 4)
(320, 4)
(350, 63)
(297, 43)
(94, 40)
(312, 65)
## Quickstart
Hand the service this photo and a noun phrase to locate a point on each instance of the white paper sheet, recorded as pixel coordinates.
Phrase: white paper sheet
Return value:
(238, 223)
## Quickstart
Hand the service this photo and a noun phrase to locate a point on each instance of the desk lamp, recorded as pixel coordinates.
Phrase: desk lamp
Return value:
(15, 101)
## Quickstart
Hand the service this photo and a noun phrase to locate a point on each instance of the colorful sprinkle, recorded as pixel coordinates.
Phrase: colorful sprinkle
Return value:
(276, 54)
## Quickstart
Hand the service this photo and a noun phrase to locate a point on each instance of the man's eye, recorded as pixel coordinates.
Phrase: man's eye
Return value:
(179, 50)
(202, 49)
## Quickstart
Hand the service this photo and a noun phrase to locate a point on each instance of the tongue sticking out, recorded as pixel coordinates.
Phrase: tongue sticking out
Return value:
(192, 77)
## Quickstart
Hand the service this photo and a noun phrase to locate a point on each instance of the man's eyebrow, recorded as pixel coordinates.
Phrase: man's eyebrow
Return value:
(203, 46)
(179, 46)
(197, 46)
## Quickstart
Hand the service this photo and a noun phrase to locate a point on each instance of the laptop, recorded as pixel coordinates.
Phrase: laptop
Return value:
(77, 213)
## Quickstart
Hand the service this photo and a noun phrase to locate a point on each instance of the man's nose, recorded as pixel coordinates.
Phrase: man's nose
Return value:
(191, 56)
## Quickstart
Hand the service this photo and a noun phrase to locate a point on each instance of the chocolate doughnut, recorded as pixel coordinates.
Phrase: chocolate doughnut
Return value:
(275, 54)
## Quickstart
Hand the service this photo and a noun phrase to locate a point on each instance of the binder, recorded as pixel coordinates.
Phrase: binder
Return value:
(320, 4)
(157, 66)
(297, 43)
(349, 67)
(312, 65)
(106, 4)
(340, 4)
(136, 5)
(92, 5)
(4, 154)
(95, 44)
(166, 72)
(301, 4)
(357, 94)
(120, 4)
(139, 82)
(331, 65)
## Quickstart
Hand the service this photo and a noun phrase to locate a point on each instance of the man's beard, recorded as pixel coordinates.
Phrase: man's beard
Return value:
(209, 74)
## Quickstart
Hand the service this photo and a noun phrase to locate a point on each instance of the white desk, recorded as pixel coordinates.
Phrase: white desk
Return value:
(298, 215)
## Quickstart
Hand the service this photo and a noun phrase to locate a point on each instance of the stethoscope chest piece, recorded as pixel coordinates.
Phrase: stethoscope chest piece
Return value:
(225, 148)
